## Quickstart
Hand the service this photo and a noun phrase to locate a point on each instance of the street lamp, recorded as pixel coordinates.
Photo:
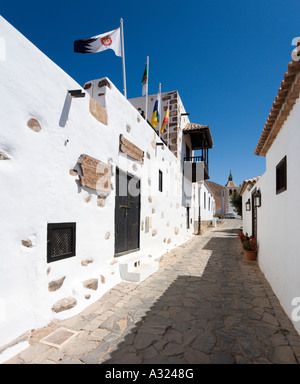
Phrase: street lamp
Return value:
(257, 199)
(248, 205)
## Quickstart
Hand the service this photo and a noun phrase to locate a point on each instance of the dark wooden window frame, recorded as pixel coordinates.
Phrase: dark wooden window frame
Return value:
(281, 176)
(72, 246)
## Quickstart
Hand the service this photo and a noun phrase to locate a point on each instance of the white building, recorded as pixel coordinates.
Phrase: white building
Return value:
(207, 202)
(69, 229)
(249, 222)
(205, 206)
(275, 221)
(183, 138)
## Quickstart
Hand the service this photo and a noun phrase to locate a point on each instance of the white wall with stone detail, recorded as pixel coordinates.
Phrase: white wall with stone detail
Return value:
(37, 187)
(278, 217)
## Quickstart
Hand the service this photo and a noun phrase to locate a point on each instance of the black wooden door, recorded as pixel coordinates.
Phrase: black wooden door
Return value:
(127, 213)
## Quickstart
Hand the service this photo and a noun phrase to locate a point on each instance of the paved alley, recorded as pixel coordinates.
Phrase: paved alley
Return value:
(204, 305)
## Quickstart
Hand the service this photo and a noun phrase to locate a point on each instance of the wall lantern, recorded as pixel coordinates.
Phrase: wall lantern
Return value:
(76, 93)
(248, 205)
(257, 199)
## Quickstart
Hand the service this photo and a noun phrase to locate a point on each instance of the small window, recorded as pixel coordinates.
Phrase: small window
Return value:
(160, 181)
(281, 179)
(61, 241)
(204, 200)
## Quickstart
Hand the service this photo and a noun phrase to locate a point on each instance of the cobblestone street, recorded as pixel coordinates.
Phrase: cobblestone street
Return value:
(204, 305)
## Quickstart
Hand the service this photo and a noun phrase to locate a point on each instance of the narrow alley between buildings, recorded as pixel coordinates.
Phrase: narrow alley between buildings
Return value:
(205, 305)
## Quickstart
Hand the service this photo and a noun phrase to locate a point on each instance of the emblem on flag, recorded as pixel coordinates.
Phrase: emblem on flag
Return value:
(106, 40)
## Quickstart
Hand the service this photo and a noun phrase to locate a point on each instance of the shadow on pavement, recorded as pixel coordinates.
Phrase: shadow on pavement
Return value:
(214, 314)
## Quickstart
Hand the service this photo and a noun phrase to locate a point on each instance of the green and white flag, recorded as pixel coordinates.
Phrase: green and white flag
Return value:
(145, 81)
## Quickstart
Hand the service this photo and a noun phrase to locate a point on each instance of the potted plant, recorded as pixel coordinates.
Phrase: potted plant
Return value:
(250, 248)
(243, 237)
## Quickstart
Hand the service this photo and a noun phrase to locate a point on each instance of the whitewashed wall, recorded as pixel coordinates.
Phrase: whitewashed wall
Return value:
(278, 217)
(36, 187)
(207, 203)
(203, 198)
(247, 215)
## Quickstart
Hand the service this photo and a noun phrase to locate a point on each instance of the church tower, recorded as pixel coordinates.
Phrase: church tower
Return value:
(229, 189)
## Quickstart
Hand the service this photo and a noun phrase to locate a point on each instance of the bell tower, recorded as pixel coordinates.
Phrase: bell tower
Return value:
(230, 187)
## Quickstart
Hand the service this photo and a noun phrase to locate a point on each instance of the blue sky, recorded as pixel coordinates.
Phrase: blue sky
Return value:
(225, 58)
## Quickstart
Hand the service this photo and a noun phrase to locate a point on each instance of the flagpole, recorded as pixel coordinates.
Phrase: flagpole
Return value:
(169, 124)
(123, 58)
(147, 89)
(159, 123)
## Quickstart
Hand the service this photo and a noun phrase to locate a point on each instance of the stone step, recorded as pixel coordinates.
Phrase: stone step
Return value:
(137, 270)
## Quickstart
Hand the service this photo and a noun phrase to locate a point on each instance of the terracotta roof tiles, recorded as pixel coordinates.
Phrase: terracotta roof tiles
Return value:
(247, 182)
(284, 102)
(197, 128)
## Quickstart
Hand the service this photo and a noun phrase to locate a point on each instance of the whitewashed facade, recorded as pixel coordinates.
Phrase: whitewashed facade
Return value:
(206, 202)
(204, 207)
(276, 222)
(45, 133)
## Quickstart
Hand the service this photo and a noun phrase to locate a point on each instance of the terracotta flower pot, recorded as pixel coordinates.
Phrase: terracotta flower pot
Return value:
(250, 255)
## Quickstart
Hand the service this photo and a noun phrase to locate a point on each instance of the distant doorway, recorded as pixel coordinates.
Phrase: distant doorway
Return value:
(127, 213)
(187, 217)
(254, 216)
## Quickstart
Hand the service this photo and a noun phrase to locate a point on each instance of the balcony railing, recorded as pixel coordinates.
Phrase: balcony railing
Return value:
(194, 160)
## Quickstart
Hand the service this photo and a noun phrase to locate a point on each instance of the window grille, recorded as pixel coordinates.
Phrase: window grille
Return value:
(61, 241)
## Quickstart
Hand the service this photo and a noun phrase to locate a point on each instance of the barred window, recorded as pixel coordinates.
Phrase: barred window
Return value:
(61, 241)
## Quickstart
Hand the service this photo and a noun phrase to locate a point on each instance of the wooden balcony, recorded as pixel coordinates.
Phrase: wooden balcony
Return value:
(196, 168)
